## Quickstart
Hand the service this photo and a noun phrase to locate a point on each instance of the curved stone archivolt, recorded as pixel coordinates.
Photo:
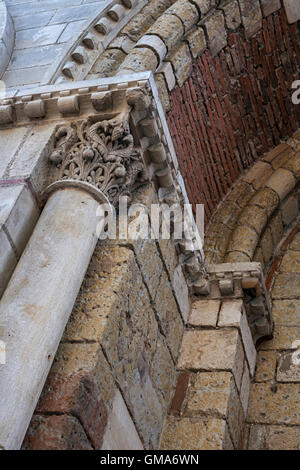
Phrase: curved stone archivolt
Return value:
(258, 211)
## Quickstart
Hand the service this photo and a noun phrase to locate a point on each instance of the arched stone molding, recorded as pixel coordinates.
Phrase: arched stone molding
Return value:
(7, 37)
(261, 207)
(77, 60)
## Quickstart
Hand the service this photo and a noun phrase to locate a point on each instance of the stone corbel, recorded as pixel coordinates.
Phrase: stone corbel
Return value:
(241, 281)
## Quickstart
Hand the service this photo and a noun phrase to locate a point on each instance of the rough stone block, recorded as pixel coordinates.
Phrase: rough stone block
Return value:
(139, 60)
(56, 433)
(245, 389)
(270, 6)
(292, 8)
(186, 11)
(289, 209)
(282, 181)
(199, 351)
(167, 70)
(169, 28)
(217, 36)
(120, 432)
(204, 313)
(289, 367)
(231, 313)
(232, 15)
(265, 366)
(193, 434)
(251, 16)
(285, 312)
(290, 262)
(182, 63)
(277, 404)
(197, 41)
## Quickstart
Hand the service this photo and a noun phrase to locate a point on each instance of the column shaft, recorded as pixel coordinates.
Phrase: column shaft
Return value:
(38, 301)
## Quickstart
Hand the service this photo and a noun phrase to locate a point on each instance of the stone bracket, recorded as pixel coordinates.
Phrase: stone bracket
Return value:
(241, 281)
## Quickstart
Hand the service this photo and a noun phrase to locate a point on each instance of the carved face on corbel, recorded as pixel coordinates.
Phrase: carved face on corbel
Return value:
(101, 153)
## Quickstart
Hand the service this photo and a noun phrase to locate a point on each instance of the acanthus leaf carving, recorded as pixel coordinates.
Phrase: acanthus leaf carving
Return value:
(101, 153)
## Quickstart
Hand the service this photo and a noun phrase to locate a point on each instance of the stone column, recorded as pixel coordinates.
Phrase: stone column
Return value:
(37, 303)
(93, 161)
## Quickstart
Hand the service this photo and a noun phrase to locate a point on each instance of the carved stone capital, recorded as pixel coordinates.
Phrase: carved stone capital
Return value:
(101, 153)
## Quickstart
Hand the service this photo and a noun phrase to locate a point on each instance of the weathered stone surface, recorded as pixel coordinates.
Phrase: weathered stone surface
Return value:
(163, 91)
(290, 262)
(286, 286)
(282, 182)
(251, 16)
(243, 239)
(199, 349)
(163, 373)
(181, 292)
(232, 15)
(204, 313)
(274, 438)
(269, 6)
(292, 8)
(295, 245)
(230, 313)
(286, 312)
(210, 393)
(204, 5)
(215, 394)
(255, 217)
(289, 209)
(56, 433)
(276, 227)
(186, 11)
(169, 28)
(215, 27)
(120, 432)
(289, 367)
(192, 434)
(278, 404)
(168, 314)
(245, 389)
(266, 244)
(267, 199)
(284, 338)
(258, 174)
(139, 60)
(182, 62)
(108, 63)
(265, 367)
(197, 41)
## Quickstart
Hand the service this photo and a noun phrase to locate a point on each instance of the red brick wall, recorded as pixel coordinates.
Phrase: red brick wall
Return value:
(235, 107)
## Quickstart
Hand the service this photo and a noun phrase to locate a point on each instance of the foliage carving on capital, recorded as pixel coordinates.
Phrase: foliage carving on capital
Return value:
(101, 153)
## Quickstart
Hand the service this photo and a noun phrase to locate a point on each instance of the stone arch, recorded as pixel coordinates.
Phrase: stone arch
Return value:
(258, 211)
(224, 74)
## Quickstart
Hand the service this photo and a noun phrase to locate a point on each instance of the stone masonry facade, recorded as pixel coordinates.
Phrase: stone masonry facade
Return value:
(149, 344)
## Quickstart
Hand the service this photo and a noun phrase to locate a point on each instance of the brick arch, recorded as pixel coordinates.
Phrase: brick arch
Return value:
(234, 107)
